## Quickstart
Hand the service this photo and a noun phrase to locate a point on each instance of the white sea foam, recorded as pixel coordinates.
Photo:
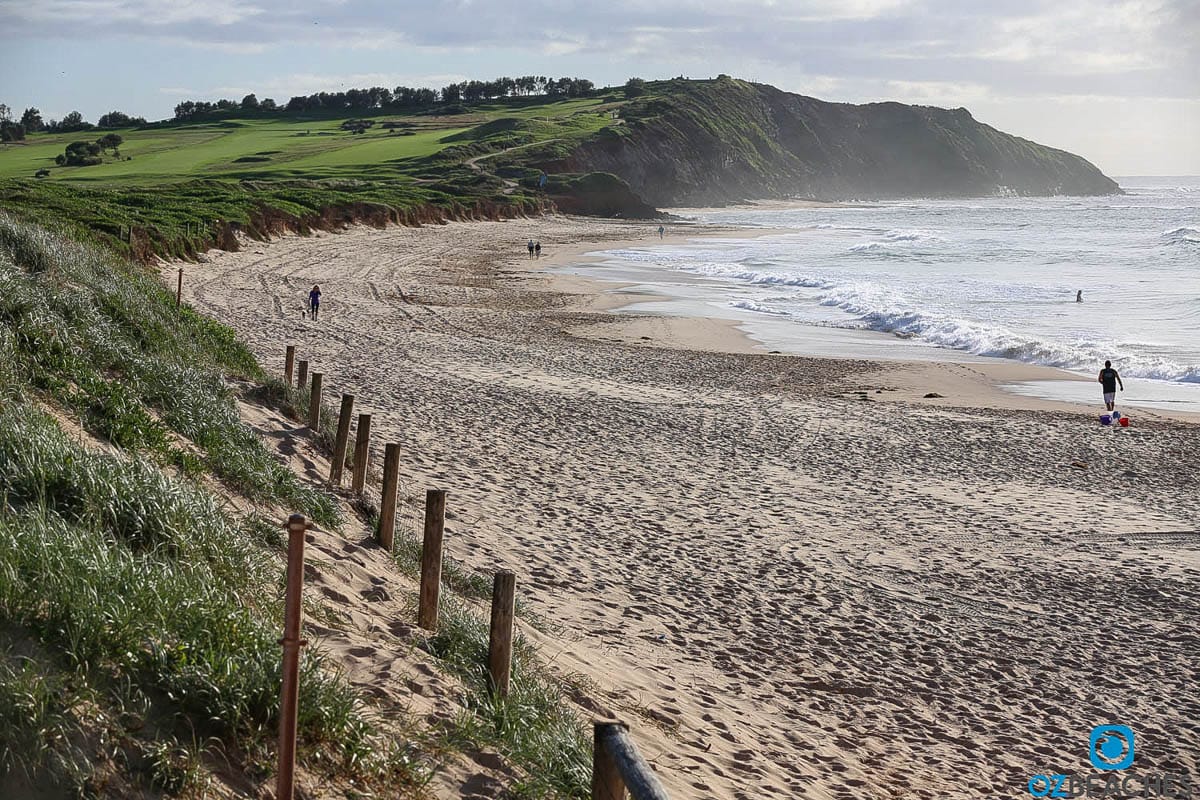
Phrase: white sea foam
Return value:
(758, 308)
(1183, 235)
(882, 309)
(916, 235)
(995, 277)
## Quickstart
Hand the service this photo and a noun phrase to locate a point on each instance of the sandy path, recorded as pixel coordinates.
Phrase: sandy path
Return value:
(796, 592)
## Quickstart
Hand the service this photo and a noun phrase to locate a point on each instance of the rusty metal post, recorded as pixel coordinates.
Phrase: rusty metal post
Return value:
(179, 289)
(289, 363)
(291, 641)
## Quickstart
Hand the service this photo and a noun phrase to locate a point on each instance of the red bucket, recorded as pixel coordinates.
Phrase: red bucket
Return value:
(1124, 422)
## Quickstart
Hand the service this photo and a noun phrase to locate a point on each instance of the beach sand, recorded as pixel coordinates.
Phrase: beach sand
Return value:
(794, 577)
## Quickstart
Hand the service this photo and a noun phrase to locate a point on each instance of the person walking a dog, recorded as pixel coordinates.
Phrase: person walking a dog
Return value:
(314, 301)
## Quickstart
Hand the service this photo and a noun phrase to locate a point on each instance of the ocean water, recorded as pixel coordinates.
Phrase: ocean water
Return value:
(983, 278)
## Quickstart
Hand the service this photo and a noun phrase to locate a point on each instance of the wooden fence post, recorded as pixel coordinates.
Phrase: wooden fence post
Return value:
(387, 502)
(362, 453)
(179, 289)
(617, 765)
(607, 783)
(343, 438)
(314, 403)
(500, 640)
(291, 641)
(289, 363)
(431, 558)
(302, 380)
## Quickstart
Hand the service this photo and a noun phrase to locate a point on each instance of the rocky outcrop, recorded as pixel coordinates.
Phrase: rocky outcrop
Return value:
(714, 142)
(598, 194)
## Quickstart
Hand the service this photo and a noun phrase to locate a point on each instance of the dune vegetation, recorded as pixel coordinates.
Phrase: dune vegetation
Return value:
(138, 648)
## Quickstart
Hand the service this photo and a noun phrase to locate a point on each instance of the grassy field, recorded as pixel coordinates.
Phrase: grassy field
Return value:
(177, 190)
(288, 148)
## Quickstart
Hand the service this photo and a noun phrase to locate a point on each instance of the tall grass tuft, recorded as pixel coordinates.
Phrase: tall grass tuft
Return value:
(534, 725)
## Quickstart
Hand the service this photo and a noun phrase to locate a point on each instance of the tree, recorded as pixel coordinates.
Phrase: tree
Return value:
(267, 104)
(5, 113)
(119, 119)
(31, 120)
(80, 154)
(74, 122)
(250, 102)
(11, 131)
(634, 87)
(110, 141)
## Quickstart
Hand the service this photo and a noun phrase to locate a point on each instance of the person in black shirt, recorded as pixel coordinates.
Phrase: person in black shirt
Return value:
(314, 302)
(1109, 379)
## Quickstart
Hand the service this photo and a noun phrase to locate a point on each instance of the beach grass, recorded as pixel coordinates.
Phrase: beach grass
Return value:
(132, 601)
(534, 726)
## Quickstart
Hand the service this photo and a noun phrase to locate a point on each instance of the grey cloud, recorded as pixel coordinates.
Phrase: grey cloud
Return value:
(1021, 46)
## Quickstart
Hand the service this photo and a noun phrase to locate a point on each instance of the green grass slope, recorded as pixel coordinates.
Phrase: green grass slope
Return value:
(176, 190)
(140, 613)
(135, 633)
(312, 149)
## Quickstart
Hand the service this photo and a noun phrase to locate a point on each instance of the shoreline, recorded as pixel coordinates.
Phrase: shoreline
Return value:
(769, 566)
(961, 378)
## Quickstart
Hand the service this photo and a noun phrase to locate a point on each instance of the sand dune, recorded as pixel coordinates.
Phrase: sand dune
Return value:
(792, 577)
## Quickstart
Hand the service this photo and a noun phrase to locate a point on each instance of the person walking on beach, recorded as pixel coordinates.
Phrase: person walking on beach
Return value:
(1109, 380)
(661, 231)
(314, 301)
(537, 249)
(530, 246)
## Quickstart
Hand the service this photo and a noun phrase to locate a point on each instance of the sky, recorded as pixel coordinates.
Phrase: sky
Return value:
(1116, 82)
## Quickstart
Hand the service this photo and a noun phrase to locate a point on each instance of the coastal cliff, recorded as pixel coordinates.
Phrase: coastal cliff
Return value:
(694, 143)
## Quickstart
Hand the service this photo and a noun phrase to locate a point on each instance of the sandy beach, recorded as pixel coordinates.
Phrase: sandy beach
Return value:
(794, 577)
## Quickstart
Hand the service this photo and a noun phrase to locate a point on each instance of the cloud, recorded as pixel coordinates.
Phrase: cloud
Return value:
(937, 93)
(139, 13)
(1035, 42)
